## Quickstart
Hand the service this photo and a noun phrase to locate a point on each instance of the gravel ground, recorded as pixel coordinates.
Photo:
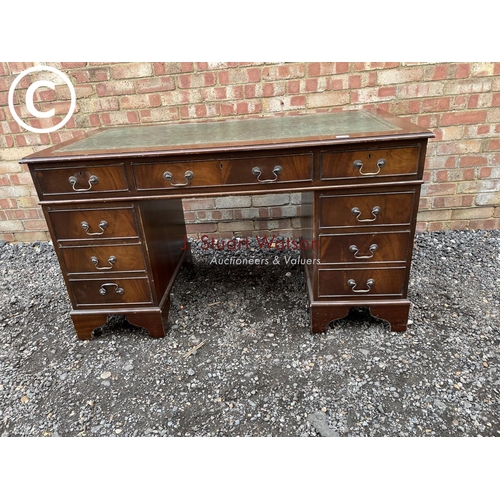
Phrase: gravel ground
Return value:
(259, 372)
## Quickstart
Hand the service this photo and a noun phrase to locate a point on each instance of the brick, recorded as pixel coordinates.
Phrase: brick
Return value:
(489, 224)
(8, 226)
(319, 69)
(482, 69)
(478, 186)
(91, 75)
(70, 65)
(489, 172)
(236, 226)
(458, 147)
(285, 103)
(496, 99)
(327, 99)
(472, 213)
(462, 70)
(27, 202)
(249, 213)
(430, 215)
(115, 88)
(284, 71)
(20, 179)
(198, 204)
(493, 145)
(452, 201)
(473, 161)
(35, 225)
(162, 114)
(140, 101)
(488, 199)
(268, 200)
(172, 68)
(119, 118)
(29, 236)
(150, 85)
(468, 86)
(463, 118)
(399, 75)
(239, 75)
(96, 105)
(196, 80)
(199, 111)
(435, 104)
(413, 90)
(10, 167)
(387, 92)
(438, 189)
(286, 211)
(191, 96)
(132, 70)
(368, 95)
(201, 228)
(439, 72)
(233, 202)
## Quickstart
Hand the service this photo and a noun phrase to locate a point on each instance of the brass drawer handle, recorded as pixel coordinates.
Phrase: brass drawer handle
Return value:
(118, 290)
(354, 249)
(189, 175)
(102, 225)
(111, 260)
(353, 284)
(359, 164)
(93, 180)
(357, 212)
(258, 172)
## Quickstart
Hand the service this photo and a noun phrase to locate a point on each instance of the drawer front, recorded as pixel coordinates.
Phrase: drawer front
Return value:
(269, 170)
(364, 248)
(81, 179)
(111, 291)
(103, 259)
(255, 170)
(363, 210)
(360, 283)
(93, 223)
(370, 163)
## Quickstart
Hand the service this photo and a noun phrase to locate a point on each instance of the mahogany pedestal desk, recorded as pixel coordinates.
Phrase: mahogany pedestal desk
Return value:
(113, 205)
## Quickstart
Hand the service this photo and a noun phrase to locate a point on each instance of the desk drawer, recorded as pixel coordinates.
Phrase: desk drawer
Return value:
(103, 259)
(111, 291)
(369, 163)
(365, 248)
(232, 171)
(74, 224)
(81, 179)
(360, 283)
(363, 210)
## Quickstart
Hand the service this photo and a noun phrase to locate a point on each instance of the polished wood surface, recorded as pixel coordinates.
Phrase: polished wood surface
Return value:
(113, 205)
(356, 283)
(114, 291)
(366, 209)
(93, 223)
(103, 259)
(375, 163)
(81, 179)
(363, 248)
(223, 172)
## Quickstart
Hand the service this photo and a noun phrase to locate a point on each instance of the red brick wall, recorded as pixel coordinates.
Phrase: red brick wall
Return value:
(460, 102)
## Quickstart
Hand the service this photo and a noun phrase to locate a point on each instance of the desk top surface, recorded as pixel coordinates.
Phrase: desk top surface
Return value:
(236, 134)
